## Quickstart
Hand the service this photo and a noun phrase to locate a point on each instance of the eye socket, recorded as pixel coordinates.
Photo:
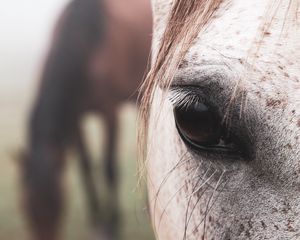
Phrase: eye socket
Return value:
(201, 128)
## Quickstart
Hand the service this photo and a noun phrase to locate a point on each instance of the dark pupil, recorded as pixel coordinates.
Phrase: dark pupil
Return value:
(198, 123)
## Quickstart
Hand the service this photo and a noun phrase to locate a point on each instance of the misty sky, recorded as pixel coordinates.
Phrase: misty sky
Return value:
(25, 27)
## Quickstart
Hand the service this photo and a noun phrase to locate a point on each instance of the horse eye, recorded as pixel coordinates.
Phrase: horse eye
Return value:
(201, 128)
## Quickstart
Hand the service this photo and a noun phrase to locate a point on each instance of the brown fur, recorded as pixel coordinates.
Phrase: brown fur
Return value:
(97, 59)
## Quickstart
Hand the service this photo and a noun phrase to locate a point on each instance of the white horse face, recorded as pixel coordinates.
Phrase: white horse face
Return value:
(238, 178)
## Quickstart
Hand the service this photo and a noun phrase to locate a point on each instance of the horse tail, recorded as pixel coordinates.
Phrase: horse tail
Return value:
(54, 115)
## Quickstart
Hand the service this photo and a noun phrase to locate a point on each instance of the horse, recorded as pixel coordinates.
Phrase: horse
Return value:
(219, 120)
(96, 61)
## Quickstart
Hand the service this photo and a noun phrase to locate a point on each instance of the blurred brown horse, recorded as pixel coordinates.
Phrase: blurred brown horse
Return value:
(96, 62)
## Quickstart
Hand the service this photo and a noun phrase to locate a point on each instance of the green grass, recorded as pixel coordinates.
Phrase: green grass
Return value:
(135, 226)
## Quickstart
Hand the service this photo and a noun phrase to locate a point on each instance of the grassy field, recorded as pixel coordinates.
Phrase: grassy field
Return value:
(12, 126)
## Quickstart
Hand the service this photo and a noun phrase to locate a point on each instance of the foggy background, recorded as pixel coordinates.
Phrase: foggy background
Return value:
(25, 31)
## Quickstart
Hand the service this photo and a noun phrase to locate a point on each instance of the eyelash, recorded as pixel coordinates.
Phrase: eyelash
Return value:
(184, 98)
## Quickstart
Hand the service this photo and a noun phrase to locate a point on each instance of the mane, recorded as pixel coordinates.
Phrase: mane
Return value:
(186, 20)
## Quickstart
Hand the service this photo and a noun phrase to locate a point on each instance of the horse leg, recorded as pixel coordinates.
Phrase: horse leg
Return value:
(111, 172)
(87, 177)
(110, 151)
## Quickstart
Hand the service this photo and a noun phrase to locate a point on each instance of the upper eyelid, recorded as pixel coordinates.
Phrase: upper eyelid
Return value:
(203, 75)
(217, 81)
